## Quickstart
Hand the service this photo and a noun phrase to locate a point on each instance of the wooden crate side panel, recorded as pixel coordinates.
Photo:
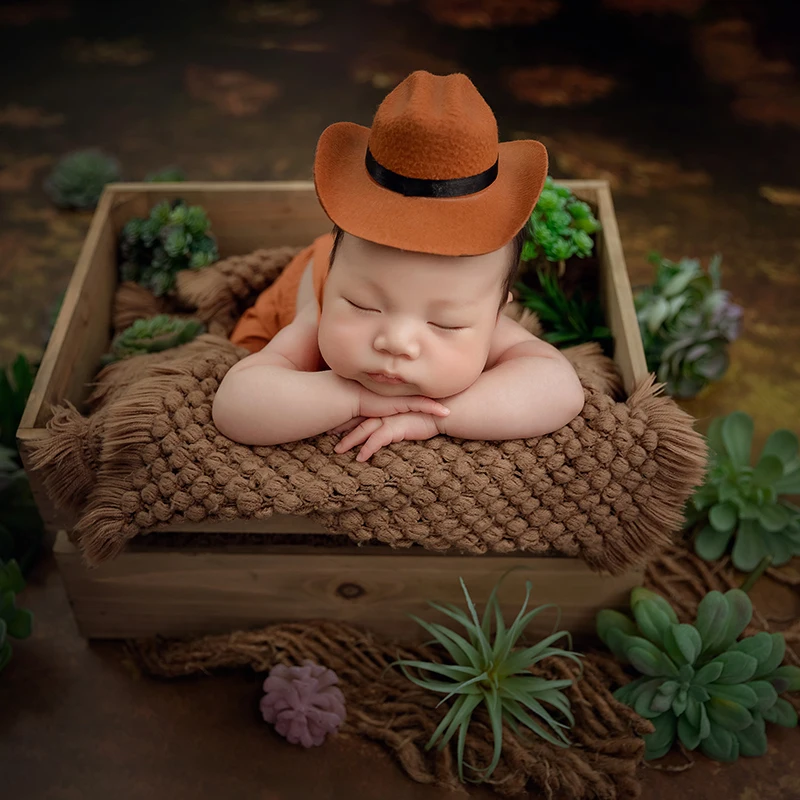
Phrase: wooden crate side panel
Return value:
(613, 279)
(180, 593)
(249, 216)
(618, 296)
(80, 336)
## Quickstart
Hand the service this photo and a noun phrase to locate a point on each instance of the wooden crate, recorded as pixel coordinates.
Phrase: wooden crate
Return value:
(150, 590)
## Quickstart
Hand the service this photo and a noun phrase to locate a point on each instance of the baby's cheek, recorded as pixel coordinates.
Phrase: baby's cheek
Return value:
(338, 343)
(459, 366)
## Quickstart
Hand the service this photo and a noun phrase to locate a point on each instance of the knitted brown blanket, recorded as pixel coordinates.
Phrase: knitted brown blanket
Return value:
(609, 487)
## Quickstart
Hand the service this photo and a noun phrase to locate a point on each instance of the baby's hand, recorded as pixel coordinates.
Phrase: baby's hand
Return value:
(377, 432)
(348, 426)
(377, 405)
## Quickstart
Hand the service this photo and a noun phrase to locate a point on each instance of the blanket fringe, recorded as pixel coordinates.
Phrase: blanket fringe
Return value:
(128, 445)
(595, 368)
(68, 459)
(681, 454)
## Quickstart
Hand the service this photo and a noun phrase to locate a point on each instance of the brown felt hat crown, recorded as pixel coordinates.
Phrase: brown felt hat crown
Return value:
(430, 175)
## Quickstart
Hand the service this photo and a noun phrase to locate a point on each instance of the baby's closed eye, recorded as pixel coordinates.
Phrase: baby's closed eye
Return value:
(361, 308)
(448, 327)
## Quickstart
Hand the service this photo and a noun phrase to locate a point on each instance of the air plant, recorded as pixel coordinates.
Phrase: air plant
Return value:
(687, 322)
(153, 335)
(744, 503)
(700, 685)
(78, 179)
(489, 669)
(173, 238)
(567, 321)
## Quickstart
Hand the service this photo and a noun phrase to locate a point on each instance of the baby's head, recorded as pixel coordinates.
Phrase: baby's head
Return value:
(401, 322)
(432, 204)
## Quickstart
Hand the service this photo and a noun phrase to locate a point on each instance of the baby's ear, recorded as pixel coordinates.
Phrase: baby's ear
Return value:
(510, 298)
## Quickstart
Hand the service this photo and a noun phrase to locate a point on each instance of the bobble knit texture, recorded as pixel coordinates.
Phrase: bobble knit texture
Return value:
(609, 487)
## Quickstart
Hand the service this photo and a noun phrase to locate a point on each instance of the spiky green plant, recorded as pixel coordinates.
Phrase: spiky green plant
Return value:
(16, 382)
(78, 179)
(567, 321)
(166, 175)
(489, 669)
(560, 226)
(173, 238)
(744, 503)
(16, 623)
(21, 527)
(153, 335)
(686, 323)
(698, 683)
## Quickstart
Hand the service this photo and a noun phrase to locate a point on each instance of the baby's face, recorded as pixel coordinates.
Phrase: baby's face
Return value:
(405, 323)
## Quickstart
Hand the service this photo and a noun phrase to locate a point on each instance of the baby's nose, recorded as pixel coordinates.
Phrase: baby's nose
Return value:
(397, 341)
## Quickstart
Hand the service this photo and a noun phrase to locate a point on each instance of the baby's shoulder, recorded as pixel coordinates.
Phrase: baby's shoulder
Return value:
(507, 334)
(305, 291)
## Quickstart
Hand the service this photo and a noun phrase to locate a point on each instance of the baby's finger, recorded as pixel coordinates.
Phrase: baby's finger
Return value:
(428, 406)
(359, 434)
(378, 439)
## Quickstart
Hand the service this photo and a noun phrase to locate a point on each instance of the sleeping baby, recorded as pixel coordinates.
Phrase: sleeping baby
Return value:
(392, 327)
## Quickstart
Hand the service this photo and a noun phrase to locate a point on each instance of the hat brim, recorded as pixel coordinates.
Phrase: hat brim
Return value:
(463, 226)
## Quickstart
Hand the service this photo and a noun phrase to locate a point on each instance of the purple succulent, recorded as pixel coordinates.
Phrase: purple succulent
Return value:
(727, 319)
(303, 703)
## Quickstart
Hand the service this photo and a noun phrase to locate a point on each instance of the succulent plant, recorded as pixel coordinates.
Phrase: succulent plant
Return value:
(303, 702)
(78, 179)
(567, 321)
(174, 237)
(699, 684)
(153, 335)
(166, 175)
(16, 623)
(687, 322)
(560, 226)
(489, 669)
(744, 503)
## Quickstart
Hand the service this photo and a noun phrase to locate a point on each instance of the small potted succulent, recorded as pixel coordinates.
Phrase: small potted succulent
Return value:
(687, 322)
(173, 238)
(743, 504)
(560, 228)
(153, 335)
(700, 684)
(78, 179)
(559, 231)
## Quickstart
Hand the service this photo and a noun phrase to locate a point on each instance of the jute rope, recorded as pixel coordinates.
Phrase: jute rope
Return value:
(382, 705)
(385, 707)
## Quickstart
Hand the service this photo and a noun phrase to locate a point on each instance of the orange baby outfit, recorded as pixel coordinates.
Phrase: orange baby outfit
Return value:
(276, 306)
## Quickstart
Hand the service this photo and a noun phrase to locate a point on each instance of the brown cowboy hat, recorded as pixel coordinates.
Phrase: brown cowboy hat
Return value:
(430, 175)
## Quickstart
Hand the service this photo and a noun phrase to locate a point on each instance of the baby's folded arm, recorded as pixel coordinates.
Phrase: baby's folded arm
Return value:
(276, 395)
(528, 389)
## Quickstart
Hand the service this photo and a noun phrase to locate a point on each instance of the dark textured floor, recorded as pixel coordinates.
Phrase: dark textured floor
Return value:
(692, 113)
